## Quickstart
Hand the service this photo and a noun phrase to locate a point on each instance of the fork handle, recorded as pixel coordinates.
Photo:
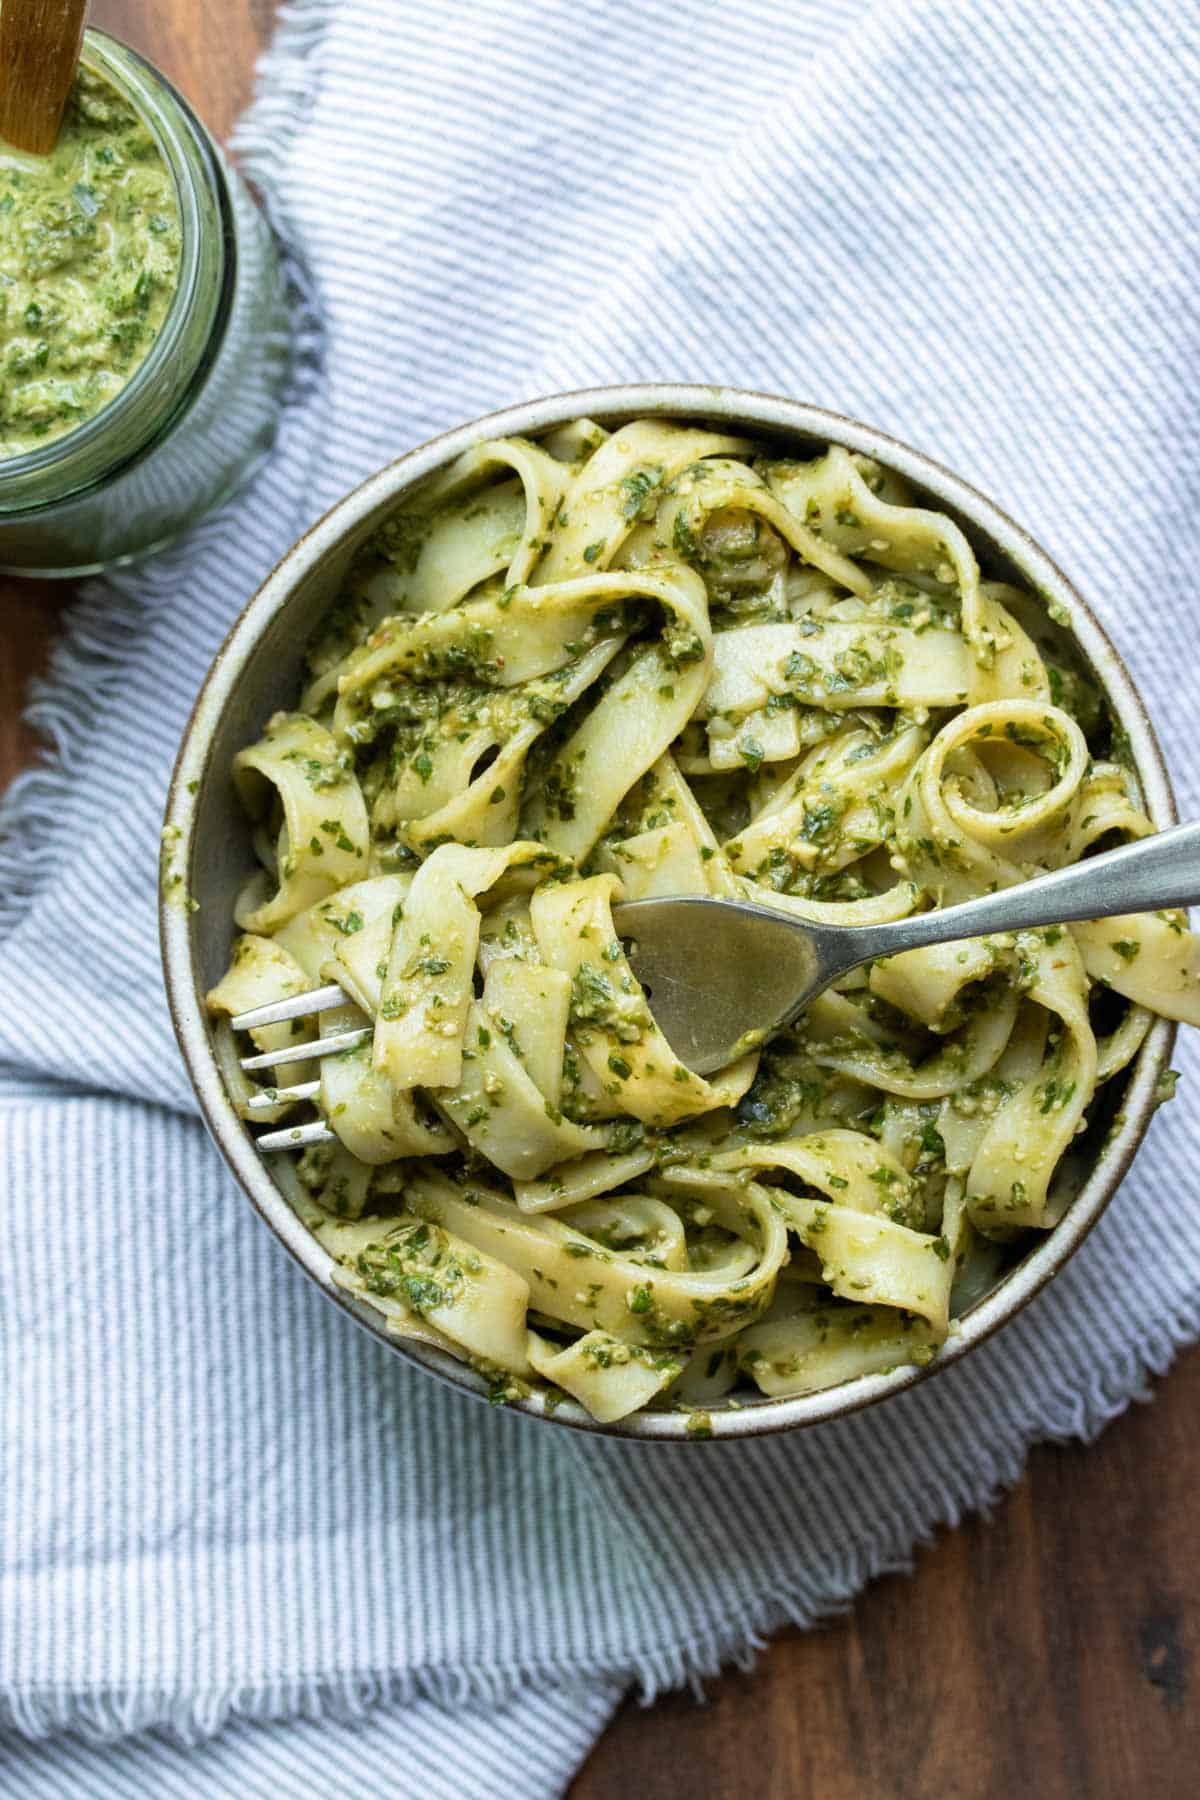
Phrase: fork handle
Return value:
(1145, 876)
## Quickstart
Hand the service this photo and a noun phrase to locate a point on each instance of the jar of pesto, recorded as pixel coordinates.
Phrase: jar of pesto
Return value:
(145, 336)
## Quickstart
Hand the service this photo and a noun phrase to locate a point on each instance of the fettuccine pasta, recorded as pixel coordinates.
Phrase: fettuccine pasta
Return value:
(667, 660)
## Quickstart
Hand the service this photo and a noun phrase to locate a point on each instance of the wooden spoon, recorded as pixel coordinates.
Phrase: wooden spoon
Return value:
(39, 49)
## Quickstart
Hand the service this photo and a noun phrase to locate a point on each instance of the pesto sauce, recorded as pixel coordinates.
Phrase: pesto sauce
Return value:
(89, 262)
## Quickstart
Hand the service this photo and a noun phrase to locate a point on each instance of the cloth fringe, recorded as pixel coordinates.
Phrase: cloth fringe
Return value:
(84, 671)
(100, 630)
(804, 1603)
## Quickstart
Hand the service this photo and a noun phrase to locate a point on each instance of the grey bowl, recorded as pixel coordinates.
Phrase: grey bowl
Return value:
(259, 669)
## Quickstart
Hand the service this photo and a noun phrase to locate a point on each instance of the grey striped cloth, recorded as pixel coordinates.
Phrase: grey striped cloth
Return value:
(243, 1548)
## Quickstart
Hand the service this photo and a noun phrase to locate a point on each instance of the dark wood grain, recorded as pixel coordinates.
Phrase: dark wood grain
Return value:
(209, 52)
(207, 47)
(1048, 1655)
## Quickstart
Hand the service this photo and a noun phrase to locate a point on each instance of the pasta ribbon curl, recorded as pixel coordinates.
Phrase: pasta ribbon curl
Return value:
(660, 660)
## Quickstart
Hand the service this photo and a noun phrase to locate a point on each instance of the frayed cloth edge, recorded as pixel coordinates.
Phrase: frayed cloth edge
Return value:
(84, 667)
(87, 661)
(804, 1601)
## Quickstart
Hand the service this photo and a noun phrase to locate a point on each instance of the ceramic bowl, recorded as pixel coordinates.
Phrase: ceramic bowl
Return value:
(259, 670)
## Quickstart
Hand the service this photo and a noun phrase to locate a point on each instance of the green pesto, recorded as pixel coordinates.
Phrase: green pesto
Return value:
(89, 262)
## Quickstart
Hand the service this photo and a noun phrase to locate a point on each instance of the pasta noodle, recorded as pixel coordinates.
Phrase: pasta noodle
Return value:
(667, 660)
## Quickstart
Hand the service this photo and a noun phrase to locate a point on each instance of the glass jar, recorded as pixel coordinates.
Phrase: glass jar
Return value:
(199, 413)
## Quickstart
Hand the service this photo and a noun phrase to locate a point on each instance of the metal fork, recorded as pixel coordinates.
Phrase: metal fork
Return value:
(725, 975)
(278, 1012)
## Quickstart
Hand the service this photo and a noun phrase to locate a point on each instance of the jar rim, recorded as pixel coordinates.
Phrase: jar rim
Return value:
(175, 129)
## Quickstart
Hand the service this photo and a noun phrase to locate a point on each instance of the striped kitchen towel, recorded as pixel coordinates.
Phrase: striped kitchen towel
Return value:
(243, 1548)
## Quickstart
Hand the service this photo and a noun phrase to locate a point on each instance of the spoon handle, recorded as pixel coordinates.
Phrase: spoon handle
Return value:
(39, 48)
(1155, 872)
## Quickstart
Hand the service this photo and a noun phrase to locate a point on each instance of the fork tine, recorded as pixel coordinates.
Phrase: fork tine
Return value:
(295, 1137)
(326, 1046)
(298, 1006)
(273, 1096)
(314, 1000)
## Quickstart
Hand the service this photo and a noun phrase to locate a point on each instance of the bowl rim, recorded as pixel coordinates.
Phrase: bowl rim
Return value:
(756, 411)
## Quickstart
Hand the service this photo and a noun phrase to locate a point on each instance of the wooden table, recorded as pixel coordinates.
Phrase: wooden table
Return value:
(1050, 1654)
